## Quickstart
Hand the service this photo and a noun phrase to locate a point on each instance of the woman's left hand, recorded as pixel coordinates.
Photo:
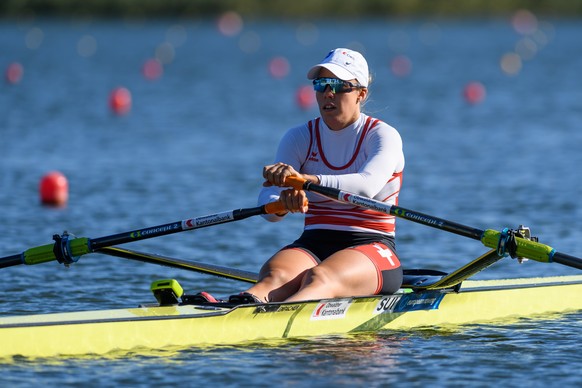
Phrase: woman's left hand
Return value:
(275, 174)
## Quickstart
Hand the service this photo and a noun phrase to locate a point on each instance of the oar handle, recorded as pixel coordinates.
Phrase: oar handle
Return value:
(274, 207)
(296, 182)
(279, 207)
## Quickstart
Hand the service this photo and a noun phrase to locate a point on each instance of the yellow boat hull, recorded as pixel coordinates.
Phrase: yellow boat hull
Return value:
(155, 327)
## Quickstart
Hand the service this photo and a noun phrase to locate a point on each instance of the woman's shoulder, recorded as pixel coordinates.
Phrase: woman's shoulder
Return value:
(298, 133)
(381, 127)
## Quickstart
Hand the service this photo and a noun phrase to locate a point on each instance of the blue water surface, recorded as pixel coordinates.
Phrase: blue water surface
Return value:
(196, 139)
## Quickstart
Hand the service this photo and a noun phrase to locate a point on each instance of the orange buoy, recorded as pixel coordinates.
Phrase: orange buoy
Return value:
(54, 189)
(120, 101)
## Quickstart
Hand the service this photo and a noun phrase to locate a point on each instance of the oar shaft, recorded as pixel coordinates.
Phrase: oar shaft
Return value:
(76, 247)
(173, 227)
(180, 226)
(420, 218)
(490, 238)
(9, 261)
(568, 260)
(135, 235)
(435, 222)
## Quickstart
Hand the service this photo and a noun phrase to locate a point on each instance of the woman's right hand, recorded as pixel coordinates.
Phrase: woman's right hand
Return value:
(294, 200)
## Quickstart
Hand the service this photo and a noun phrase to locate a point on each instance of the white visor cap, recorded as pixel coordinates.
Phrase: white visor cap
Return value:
(346, 64)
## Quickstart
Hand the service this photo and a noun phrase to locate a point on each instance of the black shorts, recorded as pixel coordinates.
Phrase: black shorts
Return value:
(322, 243)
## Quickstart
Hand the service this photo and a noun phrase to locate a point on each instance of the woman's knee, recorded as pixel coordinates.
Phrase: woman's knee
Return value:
(318, 275)
(286, 265)
(275, 275)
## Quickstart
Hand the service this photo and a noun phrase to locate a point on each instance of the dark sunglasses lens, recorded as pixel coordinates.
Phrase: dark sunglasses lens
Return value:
(319, 86)
(336, 85)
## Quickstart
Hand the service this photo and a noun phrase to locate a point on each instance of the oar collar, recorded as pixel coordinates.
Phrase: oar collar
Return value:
(62, 249)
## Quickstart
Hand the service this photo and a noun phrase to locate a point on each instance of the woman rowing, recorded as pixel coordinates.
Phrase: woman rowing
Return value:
(344, 250)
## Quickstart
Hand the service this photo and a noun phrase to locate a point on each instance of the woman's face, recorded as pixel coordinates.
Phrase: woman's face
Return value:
(341, 109)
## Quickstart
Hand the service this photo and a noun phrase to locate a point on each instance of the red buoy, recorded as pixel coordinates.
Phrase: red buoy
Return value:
(152, 69)
(14, 73)
(474, 92)
(401, 66)
(305, 97)
(120, 101)
(279, 67)
(54, 189)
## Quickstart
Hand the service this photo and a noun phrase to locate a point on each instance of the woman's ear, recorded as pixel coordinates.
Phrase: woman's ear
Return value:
(362, 95)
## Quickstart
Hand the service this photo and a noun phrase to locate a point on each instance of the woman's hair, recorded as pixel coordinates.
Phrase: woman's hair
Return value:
(363, 102)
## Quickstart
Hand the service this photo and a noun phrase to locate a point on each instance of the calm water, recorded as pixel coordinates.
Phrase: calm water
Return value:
(196, 139)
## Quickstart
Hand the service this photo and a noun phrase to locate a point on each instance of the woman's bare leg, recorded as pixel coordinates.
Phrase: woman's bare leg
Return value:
(281, 276)
(345, 273)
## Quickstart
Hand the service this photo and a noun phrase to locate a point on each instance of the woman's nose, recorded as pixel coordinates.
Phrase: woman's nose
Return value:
(328, 92)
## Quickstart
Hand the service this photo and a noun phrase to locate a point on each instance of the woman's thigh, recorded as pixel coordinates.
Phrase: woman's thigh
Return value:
(364, 270)
(289, 261)
(349, 273)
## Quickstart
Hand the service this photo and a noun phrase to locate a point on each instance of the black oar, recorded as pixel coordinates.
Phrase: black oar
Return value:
(67, 250)
(210, 269)
(504, 242)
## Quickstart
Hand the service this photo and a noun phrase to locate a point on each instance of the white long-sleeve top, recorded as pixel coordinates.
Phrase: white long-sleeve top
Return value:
(365, 158)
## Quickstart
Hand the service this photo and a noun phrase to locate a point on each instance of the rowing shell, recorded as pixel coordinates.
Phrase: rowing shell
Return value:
(156, 327)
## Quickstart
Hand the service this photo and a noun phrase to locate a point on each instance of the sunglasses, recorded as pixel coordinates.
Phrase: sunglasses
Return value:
(335, 84)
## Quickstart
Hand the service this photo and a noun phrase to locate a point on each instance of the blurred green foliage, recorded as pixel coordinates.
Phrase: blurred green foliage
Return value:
(288, 9)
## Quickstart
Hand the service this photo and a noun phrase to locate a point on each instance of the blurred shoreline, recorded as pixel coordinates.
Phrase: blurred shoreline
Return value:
(284, 9)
